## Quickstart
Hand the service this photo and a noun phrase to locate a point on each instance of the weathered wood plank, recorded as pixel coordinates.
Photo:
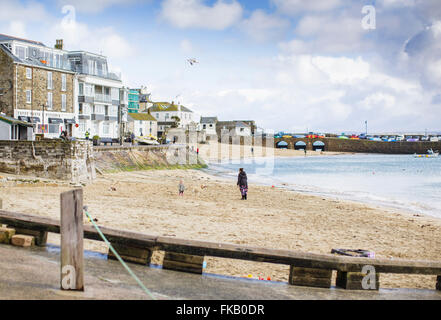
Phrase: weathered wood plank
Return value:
(71, 229)
(222, 250)
(310, 277)
(353, 280)
(131, 254)
(183, 262)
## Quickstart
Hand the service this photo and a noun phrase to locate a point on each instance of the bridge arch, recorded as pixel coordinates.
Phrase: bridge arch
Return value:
(318, 145)
(282, 145)
(300, 145)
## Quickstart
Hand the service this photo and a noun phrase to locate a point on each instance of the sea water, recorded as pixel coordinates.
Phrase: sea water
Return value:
(399, 181)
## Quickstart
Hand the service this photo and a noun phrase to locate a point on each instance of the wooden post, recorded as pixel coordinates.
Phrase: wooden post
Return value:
(438, 283)
(71, 230)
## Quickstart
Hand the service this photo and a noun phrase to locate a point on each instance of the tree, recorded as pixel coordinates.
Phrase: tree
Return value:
(176, 122)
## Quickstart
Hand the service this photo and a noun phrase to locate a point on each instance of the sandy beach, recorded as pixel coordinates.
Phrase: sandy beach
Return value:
(211, 210)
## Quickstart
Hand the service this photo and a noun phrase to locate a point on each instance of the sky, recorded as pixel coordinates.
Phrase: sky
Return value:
(291, 65)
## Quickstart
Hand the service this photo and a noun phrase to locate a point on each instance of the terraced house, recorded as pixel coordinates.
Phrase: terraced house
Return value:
(36, 85)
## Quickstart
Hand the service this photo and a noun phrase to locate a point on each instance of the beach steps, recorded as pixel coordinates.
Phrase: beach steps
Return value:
(306, 269)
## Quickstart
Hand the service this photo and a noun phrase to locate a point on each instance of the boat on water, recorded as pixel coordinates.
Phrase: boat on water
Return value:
(148, 140)
(430, 154)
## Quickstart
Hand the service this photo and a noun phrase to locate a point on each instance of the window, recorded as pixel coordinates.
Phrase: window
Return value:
(28, 73)
(98, 109)
(157, 115)
(63, 102)
(204, 126)
(106, 128)
(49, 80)
(28, 96)
(49, 100)
(63, 82)
(81, 89)
(54, 128)
(20, 52)
(82, 126)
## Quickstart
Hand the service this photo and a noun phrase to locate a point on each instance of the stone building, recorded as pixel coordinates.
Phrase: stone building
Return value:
(34, 90)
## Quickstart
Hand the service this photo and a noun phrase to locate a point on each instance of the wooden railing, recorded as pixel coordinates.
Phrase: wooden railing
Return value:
(307, 269)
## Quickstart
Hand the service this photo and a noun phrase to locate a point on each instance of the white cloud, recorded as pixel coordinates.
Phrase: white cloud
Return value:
(186, 46)
(95, 6)
(295, 7)
(342, 70)
(196, 14)
(17, 28)
(262, 26)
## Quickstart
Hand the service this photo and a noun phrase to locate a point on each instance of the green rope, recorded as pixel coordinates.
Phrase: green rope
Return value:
(118, 257)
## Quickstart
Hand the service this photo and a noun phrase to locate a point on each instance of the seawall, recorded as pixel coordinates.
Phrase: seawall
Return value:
(50, 159)
(116, 159)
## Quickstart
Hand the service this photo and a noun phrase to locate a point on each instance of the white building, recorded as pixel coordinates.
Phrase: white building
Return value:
(142, 124)
(169, 113)
(235, 128)
(209, 125)
(98, 92)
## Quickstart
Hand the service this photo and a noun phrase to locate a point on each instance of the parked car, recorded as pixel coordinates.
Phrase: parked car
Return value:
(434, 139)
(369, 137)
(355, 137)
(343, 137)
(392, 139)
(362, 136)
(385, 138)
(400, 138)
(425, 138)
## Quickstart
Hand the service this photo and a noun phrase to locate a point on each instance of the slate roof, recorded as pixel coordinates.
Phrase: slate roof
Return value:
(208, 119)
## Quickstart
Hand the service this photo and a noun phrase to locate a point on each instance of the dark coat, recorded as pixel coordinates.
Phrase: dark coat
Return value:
(242, 180)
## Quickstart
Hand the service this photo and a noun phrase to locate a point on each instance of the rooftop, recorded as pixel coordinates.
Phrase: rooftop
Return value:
(208, 119)
(4, 37)
(141, 116)
(166, 106)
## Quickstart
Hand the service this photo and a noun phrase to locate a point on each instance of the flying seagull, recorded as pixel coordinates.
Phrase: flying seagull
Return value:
(192, 61)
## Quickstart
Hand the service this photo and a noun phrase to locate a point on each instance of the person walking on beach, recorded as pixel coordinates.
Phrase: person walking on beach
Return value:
(242, 183)
(181, 188)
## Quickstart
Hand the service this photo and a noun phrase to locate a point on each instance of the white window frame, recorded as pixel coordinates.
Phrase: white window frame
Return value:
(63, 82)
(49, 101)
(49, 80)
(63, 102)
(28, 73)
(29, 96)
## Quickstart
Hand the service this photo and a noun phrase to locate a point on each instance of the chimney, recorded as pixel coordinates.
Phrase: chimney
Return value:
(59, 44)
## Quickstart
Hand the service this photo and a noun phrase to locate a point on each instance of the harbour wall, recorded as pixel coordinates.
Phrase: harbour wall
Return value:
(363, 146)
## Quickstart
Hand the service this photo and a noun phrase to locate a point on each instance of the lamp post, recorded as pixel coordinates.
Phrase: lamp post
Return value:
(366, 127)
